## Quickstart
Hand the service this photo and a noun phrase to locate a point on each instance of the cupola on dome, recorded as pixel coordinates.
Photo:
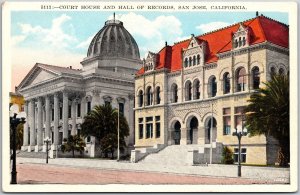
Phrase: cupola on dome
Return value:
(113, 40)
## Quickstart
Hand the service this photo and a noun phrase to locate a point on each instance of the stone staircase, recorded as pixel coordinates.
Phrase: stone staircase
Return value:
(25, 154)
(170, 155)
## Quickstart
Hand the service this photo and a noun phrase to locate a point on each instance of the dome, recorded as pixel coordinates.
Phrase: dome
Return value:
(113, 40)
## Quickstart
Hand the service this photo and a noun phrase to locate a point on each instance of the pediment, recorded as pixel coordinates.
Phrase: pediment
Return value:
(42, 76)
(35, 76)
(241, 28)
(193, 42)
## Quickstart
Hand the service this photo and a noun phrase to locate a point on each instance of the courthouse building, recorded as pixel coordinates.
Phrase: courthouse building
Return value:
(204, 82)
(57, 98)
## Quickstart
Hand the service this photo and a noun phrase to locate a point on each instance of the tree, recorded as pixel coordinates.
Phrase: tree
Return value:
(19, 137)
(227, 156)
(73, 143)
(268, 114)
(102, 123)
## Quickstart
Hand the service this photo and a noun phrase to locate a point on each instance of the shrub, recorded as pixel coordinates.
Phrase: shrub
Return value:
(227, 156)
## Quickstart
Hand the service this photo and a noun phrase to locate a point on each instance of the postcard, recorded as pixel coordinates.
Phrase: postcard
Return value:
(149, 96)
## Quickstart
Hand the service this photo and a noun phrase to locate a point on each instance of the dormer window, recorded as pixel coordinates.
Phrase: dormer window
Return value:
(241, 37)
(194, 54)
(150, 62)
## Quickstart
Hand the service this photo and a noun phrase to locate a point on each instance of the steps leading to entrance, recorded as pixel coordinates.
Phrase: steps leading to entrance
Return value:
(171, 155)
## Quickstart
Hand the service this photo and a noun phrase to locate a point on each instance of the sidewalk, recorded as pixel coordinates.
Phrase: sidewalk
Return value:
(270, 174)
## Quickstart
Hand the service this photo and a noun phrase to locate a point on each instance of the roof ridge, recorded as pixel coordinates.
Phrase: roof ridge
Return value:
(216, 30)
(263, 16)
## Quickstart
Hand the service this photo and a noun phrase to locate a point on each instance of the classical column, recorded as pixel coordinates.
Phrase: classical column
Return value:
(56, 118)
(32, 124)
(47, 119)
(48, 115)
(83, 107)
(25, 134)
(95, 98)
(65, 114)
(39, 125)
(73, 110)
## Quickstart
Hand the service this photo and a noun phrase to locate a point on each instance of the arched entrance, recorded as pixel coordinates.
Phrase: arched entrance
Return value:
(193, 133)
(208, 130)
(177, 135)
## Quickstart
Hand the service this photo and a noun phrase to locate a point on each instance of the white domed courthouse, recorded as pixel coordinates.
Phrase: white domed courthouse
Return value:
(189, 97)
(57, 98)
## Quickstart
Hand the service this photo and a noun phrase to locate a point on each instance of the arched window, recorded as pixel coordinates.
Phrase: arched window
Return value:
(157, 91)
(190, 61)
(255, 78)
(240, 41)
(198, 59)
(196, 86)
(149, 96)
(236, 44)
(186, 62)
(174, 90)
(188, 91)
(241, 79)
(141, 98)
(226, 81)
(272, 71)
(281, 71)
(212, 89)
(244, 41)
(194, 60)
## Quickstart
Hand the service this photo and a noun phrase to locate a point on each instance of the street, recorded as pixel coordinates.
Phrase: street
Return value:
(57, 174)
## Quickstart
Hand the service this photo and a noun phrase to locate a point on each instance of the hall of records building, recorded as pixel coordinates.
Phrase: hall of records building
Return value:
(178, 87)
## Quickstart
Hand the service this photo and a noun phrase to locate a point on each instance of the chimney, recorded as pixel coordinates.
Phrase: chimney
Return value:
(166, 43)
(192, 35)
(70, 67)
(256, 13)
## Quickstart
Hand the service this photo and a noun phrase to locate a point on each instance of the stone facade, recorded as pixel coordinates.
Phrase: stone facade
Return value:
(57, 98)
(210, 84)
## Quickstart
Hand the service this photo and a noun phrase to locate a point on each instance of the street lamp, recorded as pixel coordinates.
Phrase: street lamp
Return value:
(47, 140)
(240, 131)
(15, 118)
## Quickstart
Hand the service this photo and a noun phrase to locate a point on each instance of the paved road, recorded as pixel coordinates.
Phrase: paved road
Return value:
(53, 174)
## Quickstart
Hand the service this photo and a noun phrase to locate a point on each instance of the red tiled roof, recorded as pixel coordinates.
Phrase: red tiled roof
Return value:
(262, 29)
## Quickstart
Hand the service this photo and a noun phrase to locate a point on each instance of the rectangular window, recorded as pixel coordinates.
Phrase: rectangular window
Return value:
(69, 111)
(52, 113)
(78, 132)
(141, 128)
(243, 155)
(60, 112)
(60, 138)
(69, 133)
(88, 107)
(226, 121)
(78, 110)
(157, 126)
(238, 117)
(121, 108)
(149, 127)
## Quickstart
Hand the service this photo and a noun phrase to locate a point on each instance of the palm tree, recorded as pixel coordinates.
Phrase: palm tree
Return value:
(269, 114)
(73, 143)
(102, 123)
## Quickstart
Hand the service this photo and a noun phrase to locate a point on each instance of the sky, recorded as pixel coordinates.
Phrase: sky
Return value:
(62, 38)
